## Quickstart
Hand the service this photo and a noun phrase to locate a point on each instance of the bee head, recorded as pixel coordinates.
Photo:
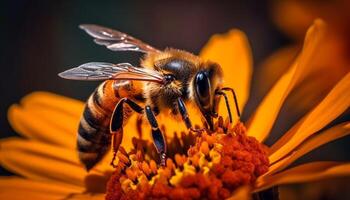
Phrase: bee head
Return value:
(206, 82)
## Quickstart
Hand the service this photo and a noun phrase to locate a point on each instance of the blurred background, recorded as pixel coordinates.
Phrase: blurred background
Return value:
(42, 38)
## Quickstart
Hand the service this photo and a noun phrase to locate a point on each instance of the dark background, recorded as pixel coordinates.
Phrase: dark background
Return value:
(42, 38)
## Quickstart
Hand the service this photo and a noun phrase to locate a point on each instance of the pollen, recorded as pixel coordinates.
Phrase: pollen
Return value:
(214, 165)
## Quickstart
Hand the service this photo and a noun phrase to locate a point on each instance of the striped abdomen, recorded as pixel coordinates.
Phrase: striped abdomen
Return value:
(93, 133)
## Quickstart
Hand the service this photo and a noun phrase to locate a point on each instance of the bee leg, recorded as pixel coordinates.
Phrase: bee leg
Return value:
(227, 103)
(158, 137)
(234, 97)
(185, 117)
(139, 122)
(116, 123)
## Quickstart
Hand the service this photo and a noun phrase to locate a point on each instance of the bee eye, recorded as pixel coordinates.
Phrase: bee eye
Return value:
(169, 77)
(203, 88)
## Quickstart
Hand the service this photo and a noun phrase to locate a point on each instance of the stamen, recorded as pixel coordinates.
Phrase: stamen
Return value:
(122, 158)
(153, 166)
(204, 148)
(146, 169)
(170, 164)
(211, 165)
(131, 174)
(180, 160)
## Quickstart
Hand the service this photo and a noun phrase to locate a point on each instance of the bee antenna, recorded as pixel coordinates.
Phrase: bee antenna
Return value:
(234, 97)
(227, 104)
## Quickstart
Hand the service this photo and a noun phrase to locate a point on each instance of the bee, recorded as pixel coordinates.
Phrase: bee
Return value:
(166, 81)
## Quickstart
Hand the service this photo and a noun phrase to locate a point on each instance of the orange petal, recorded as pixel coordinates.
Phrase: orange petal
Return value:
(293, 17)
(335, 103)
(304, 173)
(16, 188)
(61, 103)
(41, 162)
(45, 124)
(130, 129)
(273, 67)
(325, 137)
(264, 117)
(241, 193)
(88, 196)
(232, 52)
(104, 165)
(47, 117)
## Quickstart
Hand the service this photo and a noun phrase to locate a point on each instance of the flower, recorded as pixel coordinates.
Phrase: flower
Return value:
(232, 156)
(208, 165)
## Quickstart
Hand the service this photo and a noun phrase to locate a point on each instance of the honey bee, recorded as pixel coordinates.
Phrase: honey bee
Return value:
(165, 81)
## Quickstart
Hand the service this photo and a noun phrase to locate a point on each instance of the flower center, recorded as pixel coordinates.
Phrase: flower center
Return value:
(211, 165)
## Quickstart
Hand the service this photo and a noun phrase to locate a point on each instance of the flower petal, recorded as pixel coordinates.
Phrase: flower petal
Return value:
(293, 17)
(262, 121)
(47, 117)
(335, 103)
(88, 196)
(325, 137)
(232, 52)
(46, 99)
(273, 67)
(41, 162)
(241, 193)
(304, 173)
(44, 124)
(19, 188)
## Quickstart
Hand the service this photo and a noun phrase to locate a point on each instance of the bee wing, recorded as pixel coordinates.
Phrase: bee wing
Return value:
(104, 71)
(115, 40)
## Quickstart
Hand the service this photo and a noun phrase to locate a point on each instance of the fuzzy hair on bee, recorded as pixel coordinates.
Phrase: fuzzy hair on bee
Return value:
(183, 66)
(165, 82)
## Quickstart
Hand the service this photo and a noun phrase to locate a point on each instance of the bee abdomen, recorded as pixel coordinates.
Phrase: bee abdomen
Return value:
(93, 133)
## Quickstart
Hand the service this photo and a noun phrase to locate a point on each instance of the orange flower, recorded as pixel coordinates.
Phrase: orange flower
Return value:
(216, 163)
(47, 161)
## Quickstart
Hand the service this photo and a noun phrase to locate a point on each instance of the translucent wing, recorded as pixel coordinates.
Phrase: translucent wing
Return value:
(115, 40)
(104, 71)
